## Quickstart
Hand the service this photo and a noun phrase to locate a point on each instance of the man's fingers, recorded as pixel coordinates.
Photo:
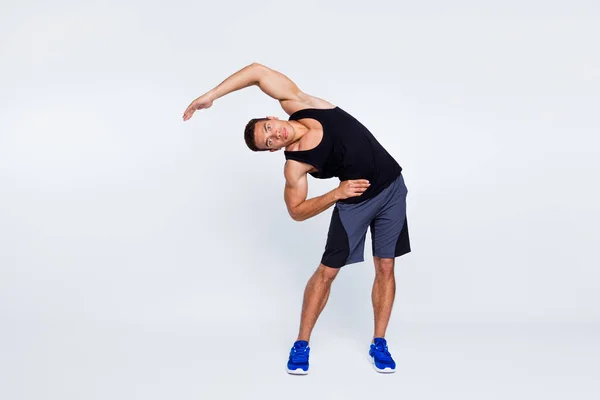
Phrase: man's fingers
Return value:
(358, 191)
(188, 114)
(356, 187)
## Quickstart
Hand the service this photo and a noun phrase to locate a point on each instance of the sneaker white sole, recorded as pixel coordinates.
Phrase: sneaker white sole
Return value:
(297, 371)
(386, 370)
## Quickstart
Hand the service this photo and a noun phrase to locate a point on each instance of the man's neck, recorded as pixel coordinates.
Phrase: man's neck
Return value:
(299, 129)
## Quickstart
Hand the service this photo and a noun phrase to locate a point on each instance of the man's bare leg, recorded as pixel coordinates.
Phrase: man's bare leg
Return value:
(315, 298)
(384, 291)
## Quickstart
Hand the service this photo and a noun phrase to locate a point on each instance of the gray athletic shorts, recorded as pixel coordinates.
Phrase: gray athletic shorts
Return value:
(385, 214)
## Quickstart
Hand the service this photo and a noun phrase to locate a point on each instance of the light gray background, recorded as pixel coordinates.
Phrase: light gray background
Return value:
(144, 257)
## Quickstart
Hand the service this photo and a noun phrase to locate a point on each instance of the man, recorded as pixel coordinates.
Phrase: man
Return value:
(324, 141)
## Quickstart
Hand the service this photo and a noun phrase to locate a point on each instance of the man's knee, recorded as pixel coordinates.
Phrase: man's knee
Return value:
(384, 266)
(327, 274)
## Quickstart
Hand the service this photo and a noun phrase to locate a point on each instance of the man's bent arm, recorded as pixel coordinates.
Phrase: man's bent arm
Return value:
(271, 82)
(309, 208)
(296, 191)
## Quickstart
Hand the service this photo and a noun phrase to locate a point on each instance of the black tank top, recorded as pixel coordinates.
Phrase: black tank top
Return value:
(347, 151)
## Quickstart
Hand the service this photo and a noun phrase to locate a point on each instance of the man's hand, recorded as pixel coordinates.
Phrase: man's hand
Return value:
(352, 188)
(204, 101)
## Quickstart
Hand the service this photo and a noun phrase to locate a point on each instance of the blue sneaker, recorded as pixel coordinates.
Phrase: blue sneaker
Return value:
(298, 361)
(382, 359)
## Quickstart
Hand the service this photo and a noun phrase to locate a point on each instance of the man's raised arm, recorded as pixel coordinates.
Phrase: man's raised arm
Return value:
(273, 83)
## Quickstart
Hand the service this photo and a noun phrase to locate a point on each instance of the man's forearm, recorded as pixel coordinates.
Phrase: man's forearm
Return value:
(245, 77)
(309, 208)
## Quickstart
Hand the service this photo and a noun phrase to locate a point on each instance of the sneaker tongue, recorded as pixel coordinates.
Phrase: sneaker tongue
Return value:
(300, 344)
(379, 341)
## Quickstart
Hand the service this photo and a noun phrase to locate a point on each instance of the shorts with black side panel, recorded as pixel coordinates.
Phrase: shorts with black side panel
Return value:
(385, 214)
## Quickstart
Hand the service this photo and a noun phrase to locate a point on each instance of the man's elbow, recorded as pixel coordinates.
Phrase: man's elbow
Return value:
(296, 216)
(260, 69)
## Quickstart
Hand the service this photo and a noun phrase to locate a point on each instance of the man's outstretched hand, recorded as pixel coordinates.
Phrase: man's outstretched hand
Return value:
(201, 102)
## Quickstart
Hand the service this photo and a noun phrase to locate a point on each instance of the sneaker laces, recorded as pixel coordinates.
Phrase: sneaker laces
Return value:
(299, 354)
(383, 352)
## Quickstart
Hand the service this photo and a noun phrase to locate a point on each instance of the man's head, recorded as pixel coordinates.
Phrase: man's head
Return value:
(262, 134)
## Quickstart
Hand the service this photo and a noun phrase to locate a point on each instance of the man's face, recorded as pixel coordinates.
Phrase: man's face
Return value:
(273, 134)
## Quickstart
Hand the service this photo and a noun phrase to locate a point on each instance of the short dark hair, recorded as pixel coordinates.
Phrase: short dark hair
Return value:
(249, 134)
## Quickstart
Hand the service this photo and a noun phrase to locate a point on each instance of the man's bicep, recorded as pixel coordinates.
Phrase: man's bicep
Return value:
(280, 87)
(277, 85)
